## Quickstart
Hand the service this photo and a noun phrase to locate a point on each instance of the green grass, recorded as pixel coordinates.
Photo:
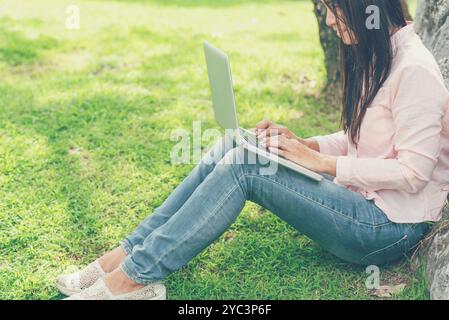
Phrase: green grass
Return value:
(85, 123)
(412, 6)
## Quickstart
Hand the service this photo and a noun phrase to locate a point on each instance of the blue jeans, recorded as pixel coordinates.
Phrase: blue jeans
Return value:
(209, 200)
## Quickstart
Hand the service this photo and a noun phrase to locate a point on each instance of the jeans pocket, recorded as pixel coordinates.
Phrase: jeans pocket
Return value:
(373, 216)
(389, 253)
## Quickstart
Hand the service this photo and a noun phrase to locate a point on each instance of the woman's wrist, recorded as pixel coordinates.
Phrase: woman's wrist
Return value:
(328, 164)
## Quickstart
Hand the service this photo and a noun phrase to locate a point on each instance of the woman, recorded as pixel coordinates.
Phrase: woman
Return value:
(389, 166)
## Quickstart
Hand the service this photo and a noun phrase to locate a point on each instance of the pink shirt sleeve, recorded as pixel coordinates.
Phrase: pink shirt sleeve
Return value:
(419, 102)
(335, 144)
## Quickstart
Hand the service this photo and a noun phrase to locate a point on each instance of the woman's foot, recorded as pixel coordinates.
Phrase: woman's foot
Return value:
(70, 284)
(117, 286)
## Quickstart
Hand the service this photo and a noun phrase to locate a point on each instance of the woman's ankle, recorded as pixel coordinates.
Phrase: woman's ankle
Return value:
(118, 283)
(112, 259)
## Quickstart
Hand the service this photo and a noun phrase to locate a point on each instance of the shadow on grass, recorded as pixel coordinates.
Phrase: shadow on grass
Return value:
(17, 49)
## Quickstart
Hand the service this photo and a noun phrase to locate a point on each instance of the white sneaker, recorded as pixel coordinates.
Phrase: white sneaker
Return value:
(99, 291)
(70, 284)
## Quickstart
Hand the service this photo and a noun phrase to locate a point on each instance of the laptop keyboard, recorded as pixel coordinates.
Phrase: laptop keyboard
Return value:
(251, 139)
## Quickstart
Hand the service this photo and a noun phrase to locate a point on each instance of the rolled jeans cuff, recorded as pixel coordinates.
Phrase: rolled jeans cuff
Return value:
(127, 246)
(127, 267)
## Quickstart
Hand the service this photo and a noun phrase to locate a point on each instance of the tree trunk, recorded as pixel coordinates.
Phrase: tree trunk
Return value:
(330, 44)
(432, 24)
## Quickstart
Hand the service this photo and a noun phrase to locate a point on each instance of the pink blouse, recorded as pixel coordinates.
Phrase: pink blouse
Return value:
(402, 160)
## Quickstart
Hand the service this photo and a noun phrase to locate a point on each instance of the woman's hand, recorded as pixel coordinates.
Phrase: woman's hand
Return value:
(293, 150)
(266, 128)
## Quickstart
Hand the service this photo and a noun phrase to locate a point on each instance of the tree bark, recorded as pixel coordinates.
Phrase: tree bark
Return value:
(432, 24)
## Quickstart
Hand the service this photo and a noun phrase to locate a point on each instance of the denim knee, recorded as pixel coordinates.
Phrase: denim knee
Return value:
(219, 149)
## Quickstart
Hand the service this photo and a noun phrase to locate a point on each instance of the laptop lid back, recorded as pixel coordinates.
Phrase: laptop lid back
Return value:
(221, 86)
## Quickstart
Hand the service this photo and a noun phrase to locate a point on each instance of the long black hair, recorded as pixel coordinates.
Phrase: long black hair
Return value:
(365, 64)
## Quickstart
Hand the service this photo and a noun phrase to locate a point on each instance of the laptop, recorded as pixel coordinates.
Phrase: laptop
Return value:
(225, 112)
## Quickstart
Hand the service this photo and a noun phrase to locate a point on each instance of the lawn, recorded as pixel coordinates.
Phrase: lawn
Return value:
(85, 123)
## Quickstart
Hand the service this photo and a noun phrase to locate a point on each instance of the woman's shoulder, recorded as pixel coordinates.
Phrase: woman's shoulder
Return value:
(415, 58)
(416, 77)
